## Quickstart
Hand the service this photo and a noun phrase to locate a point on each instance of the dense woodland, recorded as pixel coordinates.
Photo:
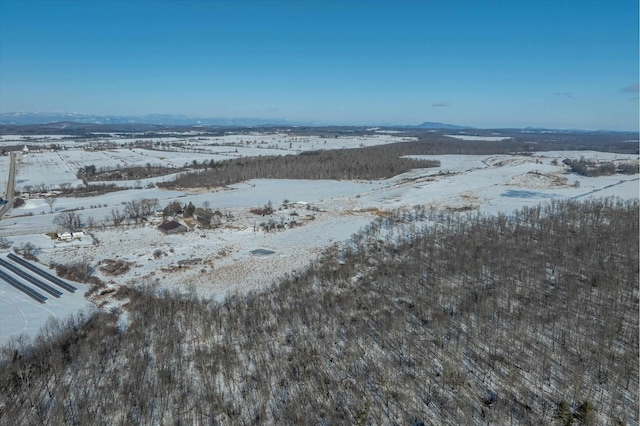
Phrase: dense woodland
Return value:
(376, 162)
(521, 141)
(425, 316)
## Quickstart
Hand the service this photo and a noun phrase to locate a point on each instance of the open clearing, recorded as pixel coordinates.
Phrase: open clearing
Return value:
(316, 215)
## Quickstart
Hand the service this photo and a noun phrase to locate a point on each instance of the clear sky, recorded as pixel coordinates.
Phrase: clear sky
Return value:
(483, 63)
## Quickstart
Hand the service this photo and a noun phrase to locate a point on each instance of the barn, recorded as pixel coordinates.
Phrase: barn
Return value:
(208, 218)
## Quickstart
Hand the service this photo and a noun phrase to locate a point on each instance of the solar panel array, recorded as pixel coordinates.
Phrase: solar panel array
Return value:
(9, 273)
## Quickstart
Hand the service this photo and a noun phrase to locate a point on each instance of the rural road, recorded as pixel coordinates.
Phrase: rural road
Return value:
(11, 181)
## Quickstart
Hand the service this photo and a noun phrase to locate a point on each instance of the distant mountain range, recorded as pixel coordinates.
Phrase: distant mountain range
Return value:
(435, 125)
(61, 120)
(26, 118)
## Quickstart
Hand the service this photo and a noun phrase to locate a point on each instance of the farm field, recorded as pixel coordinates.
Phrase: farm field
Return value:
(5, 161)
(312, 215)
(42, 167)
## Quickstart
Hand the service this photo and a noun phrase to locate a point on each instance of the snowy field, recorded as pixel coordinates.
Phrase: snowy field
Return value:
(30, 138)
(48, 169)
(276, 141)
(282, 141)
(215, 262)
(479, 138)
(5, 162)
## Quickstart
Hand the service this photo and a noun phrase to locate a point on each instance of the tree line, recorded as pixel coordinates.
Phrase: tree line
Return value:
(592, 168)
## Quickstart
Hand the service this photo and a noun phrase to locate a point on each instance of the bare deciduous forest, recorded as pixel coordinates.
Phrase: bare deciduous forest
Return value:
(366, 163)
(624, 143)
(530, 318)
(604, 168)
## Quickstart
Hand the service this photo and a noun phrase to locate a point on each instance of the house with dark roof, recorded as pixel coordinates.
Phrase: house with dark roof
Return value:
(172, 227)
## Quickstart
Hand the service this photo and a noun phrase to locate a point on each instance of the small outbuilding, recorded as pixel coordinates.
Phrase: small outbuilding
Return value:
(172, 227)
(65, 236)
(68, 236)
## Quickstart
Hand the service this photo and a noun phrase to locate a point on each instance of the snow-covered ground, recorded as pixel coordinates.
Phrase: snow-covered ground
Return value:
(214, 262)
(39, 138)
(479, 138)
(47, 168)
(5, 162)
(21, 314)
(33, 170)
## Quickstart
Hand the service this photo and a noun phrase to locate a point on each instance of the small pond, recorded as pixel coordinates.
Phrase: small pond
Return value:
(262, 252)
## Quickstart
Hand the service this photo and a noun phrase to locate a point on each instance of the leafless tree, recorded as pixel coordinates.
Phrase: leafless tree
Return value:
(172, 209)
(148, 206)
(27, 250)
(69, 221)
(116, 217)
(133, 210)
(50, 202)
(91, 223)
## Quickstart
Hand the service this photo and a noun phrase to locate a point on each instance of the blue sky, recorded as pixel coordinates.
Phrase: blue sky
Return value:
(511, 63)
